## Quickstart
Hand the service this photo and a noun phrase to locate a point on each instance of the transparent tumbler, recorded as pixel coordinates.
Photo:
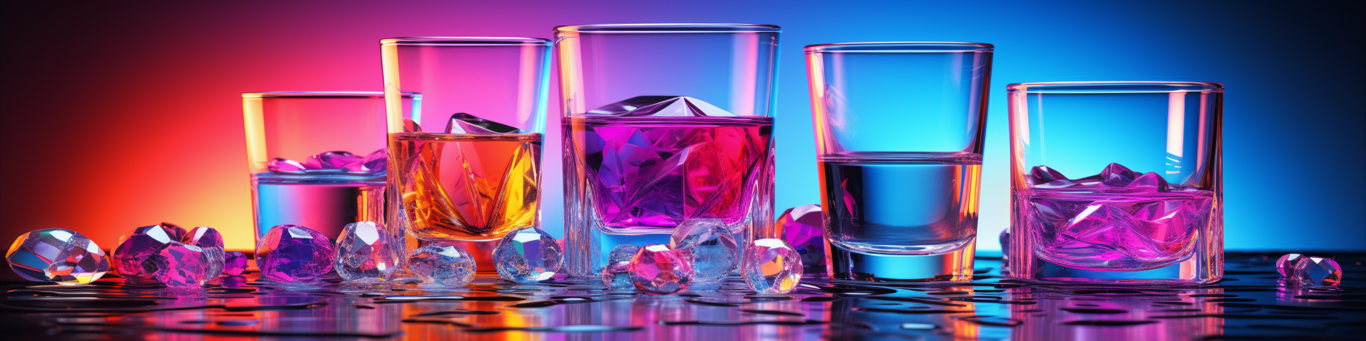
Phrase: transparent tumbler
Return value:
(1116, 182)
(466, 164)
(899, 129)
(664, 124)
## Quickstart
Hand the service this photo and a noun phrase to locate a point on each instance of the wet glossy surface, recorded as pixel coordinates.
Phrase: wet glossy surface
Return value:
(1249, 304)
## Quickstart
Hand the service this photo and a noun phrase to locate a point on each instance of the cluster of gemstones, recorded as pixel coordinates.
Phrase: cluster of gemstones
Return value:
(163, 254)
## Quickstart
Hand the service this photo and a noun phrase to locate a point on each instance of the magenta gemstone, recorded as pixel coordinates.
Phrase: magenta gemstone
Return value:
(175, 231)
(657, 270)
(211, 241)
(292, 253)
(801, 228)
(234, 263)
(182, 266)
(132, 254)
(331, 160)
(279, 165)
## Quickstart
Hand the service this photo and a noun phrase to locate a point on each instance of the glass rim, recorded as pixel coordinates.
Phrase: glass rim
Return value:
(1113, 87)
(319, 94)
(464, 41)
(901, 47)
(669, 28)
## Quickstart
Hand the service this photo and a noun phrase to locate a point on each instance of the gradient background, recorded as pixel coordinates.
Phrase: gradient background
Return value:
(124, 115)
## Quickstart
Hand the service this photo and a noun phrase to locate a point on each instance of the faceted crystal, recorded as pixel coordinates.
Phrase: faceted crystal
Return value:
(802, 229)
(670, 106)
(656, 270)
(208, 239)
(442, 265)
(462, 123)
(1150, 182)
(376, 162)
(622, 253)
(1116, 175)
(234, 263)
(175, 231)
(57, 255)
(1042, 175)
(712, 247)
(281, 165)
(1287, 263)
(771, 267)
(293, 253)
(1318, 272)
(365, 252)
(528, 255)
(331, 160)
(617, 276)
(130, 257)
(1005, 247)
(180, 266)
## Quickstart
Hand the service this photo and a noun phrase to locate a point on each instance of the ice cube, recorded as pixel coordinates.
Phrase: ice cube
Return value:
(462, 123)
(669, 106)
(331, 160)
(1116, 175)
(1150, 182)
(281, 165)
(1042, 175)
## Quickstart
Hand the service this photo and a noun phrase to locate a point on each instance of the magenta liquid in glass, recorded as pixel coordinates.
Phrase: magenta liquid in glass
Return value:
(631, 180)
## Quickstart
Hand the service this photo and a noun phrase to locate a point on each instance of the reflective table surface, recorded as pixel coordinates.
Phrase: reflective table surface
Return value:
(1249, 304)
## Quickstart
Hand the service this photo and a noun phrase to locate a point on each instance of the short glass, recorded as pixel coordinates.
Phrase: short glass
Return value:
(899, 129)
(663, 124)
(1116, 182)
(466, 165)
(317, 158)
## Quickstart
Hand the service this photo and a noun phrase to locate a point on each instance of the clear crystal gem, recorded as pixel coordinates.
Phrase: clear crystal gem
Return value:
(802, 229)
(462, 123)
(657, 270)
(528, 255)
(712, 247)
(57, 255)
(208, 239)
(671, 106)
(293, 253)
(1286, 264)
(365, 252)
(442, 265)
(622, 253)
(181, 266)
(130, 256)
(234, 263)
(1318, 271)
(771, 267)
(1042, 174)
(617, 276)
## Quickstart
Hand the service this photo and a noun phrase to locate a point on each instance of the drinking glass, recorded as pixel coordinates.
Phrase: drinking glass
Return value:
(317, 158)
(899, 129)
(466, 165)
(664, 124)
(1116, 182)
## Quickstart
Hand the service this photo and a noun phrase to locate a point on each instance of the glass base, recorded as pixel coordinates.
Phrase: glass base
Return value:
(952, 266)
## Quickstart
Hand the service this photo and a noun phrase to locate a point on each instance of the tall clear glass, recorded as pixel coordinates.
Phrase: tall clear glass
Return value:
(664, 123)
(467, 164)
(1116, 182)
(317, 158)
(899, 129)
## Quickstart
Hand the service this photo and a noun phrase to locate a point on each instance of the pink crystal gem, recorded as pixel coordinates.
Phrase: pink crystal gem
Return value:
(279, 165)
(1042, 174)
(802, 229)
(132, 253)
(208, 239)
(331, 160)
(181, 266)
(1286, 264)
(175, 231)
(292, 253)
(1116, 175)
(1318, 272)
(234, 263)
(656, 270)
(1150, 182)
